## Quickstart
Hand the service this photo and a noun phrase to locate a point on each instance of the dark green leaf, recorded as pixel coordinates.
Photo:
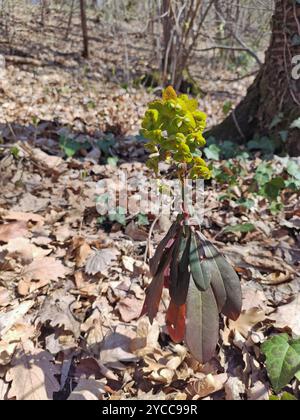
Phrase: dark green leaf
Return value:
(209, 265)
(282, 359)
(202, 323)
(233, 306)
(201, 279)
(180, 275)
(273, 188)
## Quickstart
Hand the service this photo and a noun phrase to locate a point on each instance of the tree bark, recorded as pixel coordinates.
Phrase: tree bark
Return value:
(272, 103)
(85, 52)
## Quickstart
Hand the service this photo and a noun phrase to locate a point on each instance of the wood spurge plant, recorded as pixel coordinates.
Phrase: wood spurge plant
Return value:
(201, 283)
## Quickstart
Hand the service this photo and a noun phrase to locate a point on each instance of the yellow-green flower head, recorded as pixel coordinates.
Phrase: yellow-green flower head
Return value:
(174, 125)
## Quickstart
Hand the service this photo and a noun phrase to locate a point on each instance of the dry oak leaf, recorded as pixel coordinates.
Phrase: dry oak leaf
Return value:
(288, 316)
(57, 310)
(14, 230)
(88, 390)
(18, 333)
(32, 375)
(39, 273)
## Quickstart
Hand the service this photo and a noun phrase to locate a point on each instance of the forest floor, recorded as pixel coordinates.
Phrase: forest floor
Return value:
(72, 284)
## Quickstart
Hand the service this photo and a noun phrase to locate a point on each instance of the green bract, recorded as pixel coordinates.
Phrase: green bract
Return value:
(175, 126)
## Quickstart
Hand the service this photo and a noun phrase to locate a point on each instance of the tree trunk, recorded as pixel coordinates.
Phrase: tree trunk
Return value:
(272, 103)
(85, 52)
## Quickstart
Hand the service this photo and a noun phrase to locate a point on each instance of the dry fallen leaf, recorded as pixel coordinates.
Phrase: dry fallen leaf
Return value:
(14, 230)
(5, 297)
(3, 389)
(57, 310)
(39, 273)
(146, 337)
(234, 389)
(247, 320)
(8, 319)
(130, 308)
(80, 250)
(288, 316)
(23, 248)
(87, 390)
(207, 385)
(116, 348)
(259, 392)
(25, 217)
(32, 375)
(100, 261)
(135, 232)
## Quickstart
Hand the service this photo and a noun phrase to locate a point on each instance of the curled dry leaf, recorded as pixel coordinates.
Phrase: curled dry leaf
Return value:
(247, 321)
(277, 278)
(278, 270)
(81, 250)
(14, 230)
(32, 375)
(207, 385)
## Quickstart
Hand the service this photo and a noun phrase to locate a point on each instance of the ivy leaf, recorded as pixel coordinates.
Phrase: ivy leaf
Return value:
(70, 146)
(142, 219)
(286, 396)
(212, 152)
(295, 40)
(119, 216)
(243, 228)
(276, 120)
(293, 169)
(295, 124)
(272, 188)
(282, 360)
